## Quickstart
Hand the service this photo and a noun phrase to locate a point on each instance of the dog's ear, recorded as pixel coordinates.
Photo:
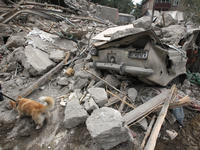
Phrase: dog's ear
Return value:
(12, 104)
(19, 97)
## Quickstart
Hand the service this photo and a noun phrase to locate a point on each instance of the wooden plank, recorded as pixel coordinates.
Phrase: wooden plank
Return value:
(156, 129)
(179, 103)
(148, 131)
(146, 107)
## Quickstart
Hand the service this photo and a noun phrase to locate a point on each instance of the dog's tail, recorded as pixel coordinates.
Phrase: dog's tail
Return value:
(50, 103)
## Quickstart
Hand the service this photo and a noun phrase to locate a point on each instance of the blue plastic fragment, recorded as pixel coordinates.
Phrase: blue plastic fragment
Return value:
(178, 114)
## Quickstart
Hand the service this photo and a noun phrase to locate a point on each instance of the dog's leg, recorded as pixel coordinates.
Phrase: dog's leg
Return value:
(21, 114)
(48, 115)
(38, 118)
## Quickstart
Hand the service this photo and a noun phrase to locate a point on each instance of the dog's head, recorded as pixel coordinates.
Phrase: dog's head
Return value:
(1, 95)
(13, 104)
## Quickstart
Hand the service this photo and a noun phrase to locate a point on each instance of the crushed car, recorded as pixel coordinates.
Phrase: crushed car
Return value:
(141, 54)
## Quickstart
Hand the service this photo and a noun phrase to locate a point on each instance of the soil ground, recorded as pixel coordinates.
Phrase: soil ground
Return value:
(21, 134)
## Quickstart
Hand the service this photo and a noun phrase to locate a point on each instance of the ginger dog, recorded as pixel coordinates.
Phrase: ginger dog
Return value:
(37, 111)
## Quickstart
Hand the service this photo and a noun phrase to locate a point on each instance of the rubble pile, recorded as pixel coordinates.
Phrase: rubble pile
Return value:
(51, 50)
(169, 30)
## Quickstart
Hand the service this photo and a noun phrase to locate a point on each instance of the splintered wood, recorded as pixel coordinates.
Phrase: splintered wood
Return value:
(156, 129)
(148, 131)
(145, 108)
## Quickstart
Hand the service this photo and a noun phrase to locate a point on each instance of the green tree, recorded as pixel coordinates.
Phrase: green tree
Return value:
(192, 10)
(124, 6)
(137, 11)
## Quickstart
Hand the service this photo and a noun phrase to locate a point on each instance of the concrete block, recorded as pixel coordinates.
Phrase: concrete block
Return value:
(90, 105)
(82, 74)
(75, 114)
(107, 127)
(15, 41)
(143, 22)
(78, 67)
(64, 43)
(36, 61)
(100, 84)
(62, 81)
(132, 94)
(143, 123)
(99, 95)
(186, 84)
(81, 83)
(113, 80)
(57, 56)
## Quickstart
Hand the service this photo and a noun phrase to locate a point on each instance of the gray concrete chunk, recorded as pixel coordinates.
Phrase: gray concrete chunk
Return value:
(113, 80)
(57, 55)
(99, 95)
(81, 83)
(75, 114)
(90, 105)
(143, 123)
(36, 61)
(143, 22)
(62, 81)
(108, 128)
(132, 94)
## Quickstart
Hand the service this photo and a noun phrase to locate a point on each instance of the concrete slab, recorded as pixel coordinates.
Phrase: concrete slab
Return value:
(36, 61)
(108, 128)
(110, 31)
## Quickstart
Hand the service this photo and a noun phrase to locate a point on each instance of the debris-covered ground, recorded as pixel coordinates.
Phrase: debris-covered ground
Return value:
(50, 50)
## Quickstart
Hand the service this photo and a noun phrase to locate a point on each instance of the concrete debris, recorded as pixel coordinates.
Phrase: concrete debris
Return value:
(63, 81)
(143, 123)
(126, 32)
(99, 95)
(84, 74)
(106, 35)
(143, 22)
(19, 82)
(173, 134)
(16, 40)
(57, 55)
(36, 61)
(18, 54)
(78, 66)
(75, 114)
(80, 83)
(187, 91)
(108, 128)
(173, 34)
(11, 66)
(168, 20)
(65, 44)
(186, 84)
(90, 105)
(132, 94)
(75, 53)
(113, 80)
